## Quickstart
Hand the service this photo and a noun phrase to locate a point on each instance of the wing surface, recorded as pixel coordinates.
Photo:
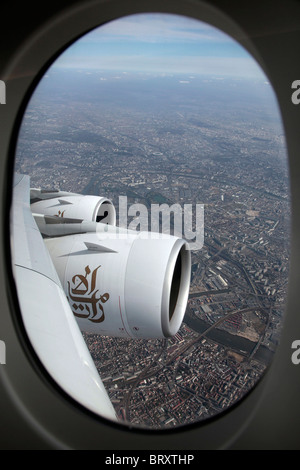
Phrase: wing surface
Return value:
(48, 319)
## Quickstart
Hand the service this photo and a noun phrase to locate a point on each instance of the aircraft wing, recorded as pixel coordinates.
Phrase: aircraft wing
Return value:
(46, 314)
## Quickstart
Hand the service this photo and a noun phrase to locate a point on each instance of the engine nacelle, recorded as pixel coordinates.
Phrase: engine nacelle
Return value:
(73, 206)
(124, 283)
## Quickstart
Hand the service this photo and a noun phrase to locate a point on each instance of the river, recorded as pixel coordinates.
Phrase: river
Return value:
(234, 342)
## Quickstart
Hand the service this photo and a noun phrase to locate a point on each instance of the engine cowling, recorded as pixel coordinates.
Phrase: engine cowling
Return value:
(73, 206)
(124, 283)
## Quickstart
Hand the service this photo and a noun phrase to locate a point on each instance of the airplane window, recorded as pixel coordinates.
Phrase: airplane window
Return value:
(177, 128)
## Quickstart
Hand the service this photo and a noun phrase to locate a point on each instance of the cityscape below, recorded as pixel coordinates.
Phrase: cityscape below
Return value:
(179, 139)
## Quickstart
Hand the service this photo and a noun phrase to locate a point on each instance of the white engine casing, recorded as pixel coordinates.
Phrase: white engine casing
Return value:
(76, 206)
(124, 283)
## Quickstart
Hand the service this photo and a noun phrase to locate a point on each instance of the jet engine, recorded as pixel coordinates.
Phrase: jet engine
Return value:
(124, 283)
(113, 281)
(62, 204)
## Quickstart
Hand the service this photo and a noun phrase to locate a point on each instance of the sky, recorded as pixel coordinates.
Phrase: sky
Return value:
(160, 43)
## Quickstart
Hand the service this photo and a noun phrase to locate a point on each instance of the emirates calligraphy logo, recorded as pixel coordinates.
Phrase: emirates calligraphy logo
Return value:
(83, 294)
(60, 214)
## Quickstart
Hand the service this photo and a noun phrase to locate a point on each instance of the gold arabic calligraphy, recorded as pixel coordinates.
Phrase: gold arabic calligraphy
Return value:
(83, 295)
(60, 214)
